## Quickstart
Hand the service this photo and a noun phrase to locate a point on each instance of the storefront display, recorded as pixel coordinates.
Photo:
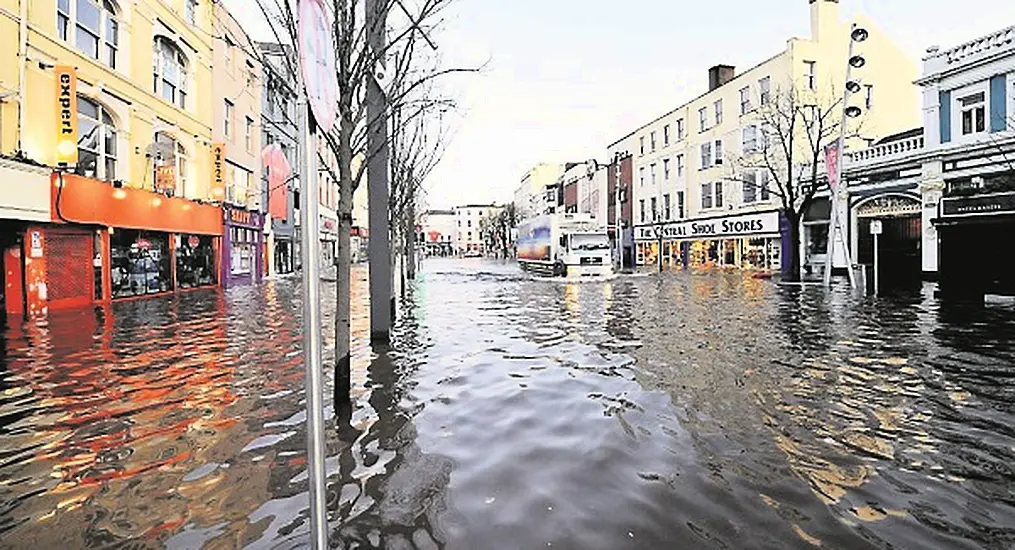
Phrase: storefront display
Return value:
(195, 261)
(244, 243)
(746, 241)
(139, 263)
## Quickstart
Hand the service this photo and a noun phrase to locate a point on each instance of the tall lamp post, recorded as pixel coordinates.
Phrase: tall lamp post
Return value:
(834, 153)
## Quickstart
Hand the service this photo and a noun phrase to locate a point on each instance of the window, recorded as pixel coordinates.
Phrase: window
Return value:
(170, 72)
(227, 52)
(227, 123)
(655, 213)
(249, 137)
(192, 12)
(718, 112)
(765, 90)
(641, 206)
(680, 165)
(718, 194)
(92, 26)
(96, 141)
(706, 196)
(718, 151)
(745, 100)
(666, 169)
(468, 223)
(706, 154)
(750, 190)
(652, 169)
(641, 145)
(653, 140)
(666, 207)
(680, 129)
(812, 74)
(750, 139)
(680, 205)
(974, 114)
(666, 135)
(702, 119)
(170, 165)
(139, 263)
(195, 261)
(763, 185)
(869, 98)
(641, 176)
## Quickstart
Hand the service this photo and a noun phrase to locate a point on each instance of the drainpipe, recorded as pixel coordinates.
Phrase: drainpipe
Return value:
(23, 71)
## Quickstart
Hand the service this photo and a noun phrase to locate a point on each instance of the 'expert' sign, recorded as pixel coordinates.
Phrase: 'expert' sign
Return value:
(67, 115)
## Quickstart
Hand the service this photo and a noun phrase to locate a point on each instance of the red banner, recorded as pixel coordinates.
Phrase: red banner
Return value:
(832, 165)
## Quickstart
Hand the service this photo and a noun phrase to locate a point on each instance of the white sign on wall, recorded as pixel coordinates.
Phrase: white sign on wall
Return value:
(744, 225)
(36, 248)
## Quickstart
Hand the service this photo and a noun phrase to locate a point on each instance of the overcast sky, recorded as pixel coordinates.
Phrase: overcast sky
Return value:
(568, 77)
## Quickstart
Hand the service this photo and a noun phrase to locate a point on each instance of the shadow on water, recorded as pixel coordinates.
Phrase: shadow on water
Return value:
(708, 410)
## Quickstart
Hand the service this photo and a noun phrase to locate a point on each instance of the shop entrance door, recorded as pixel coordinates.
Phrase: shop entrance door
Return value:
(899, 257)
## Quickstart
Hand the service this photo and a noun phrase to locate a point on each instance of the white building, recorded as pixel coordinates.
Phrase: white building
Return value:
(694, 190)
(945, 194)
(529, 197)
(468, 237)
(439, 232)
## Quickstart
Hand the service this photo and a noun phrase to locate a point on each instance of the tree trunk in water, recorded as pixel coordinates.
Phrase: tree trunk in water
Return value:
(343, 290)
(792, 272)
(410, 241)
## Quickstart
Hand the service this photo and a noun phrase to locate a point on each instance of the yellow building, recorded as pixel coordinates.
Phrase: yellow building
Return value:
(122, 224)
(690, 164)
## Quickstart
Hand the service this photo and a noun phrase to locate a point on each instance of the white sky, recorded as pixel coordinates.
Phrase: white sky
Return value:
(568, 77)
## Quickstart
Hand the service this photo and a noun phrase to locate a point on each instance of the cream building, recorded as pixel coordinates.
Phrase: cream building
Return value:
(468, 237)
(530, 195)
(688, 184)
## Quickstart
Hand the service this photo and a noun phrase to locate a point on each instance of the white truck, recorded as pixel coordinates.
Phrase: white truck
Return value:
(564, 244)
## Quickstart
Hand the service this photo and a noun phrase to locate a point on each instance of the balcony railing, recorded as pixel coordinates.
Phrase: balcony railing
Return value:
(886, 151)
(991, 43)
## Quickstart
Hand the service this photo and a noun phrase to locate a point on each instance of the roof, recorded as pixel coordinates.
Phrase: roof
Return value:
(915, 132)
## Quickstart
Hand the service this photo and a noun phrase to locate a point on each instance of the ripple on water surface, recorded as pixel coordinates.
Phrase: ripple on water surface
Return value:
(710, 410)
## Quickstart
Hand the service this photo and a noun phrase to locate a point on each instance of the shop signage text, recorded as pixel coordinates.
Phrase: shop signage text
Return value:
(36, 251)
(241, 217)
(67, 120)
(165, 177)
(891, 205)
(218, 179)
(328, 225)
(747, 224)
(978, 205)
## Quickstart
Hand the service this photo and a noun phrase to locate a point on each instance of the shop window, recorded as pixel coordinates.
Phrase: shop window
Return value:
(91, 26)
(242, 252)
(139, 263)
(169, 72)
(195, 261)
(96, 141)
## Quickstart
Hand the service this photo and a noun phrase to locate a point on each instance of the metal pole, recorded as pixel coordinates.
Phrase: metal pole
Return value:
(616, 214)
(382, 302)
(836, 232)
(312, 326)
(877, 274)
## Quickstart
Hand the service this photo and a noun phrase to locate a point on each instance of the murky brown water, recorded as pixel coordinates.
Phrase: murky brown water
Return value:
(674, 411)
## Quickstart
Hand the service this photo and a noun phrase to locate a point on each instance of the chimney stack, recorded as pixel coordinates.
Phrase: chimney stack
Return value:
(719, 75)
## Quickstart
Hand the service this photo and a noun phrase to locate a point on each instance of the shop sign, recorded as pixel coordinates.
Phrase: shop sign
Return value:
(328, 225)
(165, 177)
(747, 224)
(997, 203)
(240, 217)
(218, 174)
(143, 244)
(67, 119)
(36, 247)
(193, 241)
(889, 205)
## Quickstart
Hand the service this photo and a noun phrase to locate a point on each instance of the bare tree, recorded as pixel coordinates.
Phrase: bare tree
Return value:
(783, 154)
(407, 69)
(496, 230)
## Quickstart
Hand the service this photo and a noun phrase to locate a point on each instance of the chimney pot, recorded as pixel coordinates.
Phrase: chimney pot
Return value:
(719, 75)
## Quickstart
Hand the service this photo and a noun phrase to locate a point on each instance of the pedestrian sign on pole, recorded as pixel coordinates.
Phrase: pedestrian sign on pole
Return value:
(317, 60)
(877, 227)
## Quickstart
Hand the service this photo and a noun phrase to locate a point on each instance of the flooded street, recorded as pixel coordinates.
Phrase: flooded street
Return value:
(655, 411)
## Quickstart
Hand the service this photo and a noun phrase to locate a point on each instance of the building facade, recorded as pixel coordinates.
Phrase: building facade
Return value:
(698, 200)
(237, 77)
(279, 125)
(468, 230)
(619, 176)
(529, 197)
(127, 208)
(439, 231)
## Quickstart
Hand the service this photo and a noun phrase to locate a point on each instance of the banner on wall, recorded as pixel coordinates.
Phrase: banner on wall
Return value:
(218, 171)
(67, 115)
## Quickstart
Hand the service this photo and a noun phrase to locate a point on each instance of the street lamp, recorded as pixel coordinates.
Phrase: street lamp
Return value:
(856, 61)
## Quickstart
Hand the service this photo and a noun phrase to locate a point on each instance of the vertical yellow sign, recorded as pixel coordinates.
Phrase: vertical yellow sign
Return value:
(67, 115)
(218, 167)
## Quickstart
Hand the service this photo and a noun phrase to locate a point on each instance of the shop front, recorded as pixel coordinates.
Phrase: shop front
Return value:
(242, 255)
(975, 256)
(109, 243)
(745, 241)
(329, 238)
(899, 251)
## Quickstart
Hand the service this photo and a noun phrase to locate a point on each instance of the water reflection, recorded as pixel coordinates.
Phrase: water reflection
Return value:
(708, 410)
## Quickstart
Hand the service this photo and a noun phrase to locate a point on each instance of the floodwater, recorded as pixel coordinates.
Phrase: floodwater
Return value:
(660, 411)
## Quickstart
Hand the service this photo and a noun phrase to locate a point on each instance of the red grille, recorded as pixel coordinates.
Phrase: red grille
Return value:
(69, 264)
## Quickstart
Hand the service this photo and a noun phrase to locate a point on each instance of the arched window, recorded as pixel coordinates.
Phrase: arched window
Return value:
(91, 26)
(171, 164)
(96, 141)
(169, 69)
